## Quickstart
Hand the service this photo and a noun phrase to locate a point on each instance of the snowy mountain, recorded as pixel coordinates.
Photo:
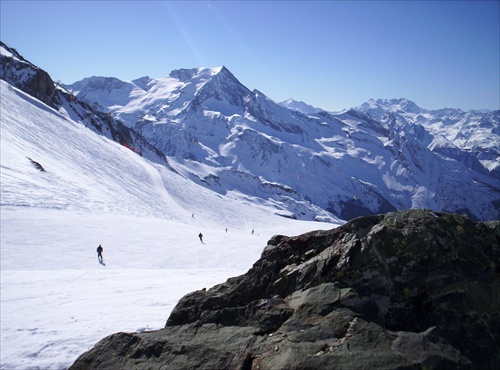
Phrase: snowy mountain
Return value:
(471, 138)
(143, 166)
(381, 156)
(67, 187)
(300, 106)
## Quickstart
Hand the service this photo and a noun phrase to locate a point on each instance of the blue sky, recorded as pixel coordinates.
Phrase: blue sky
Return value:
(330, 54)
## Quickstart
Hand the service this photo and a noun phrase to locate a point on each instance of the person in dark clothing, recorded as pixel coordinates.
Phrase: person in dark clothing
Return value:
(99, 252)
(200, 235)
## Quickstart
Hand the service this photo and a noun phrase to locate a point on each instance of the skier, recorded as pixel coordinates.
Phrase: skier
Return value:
(200, 235)
(99, 253)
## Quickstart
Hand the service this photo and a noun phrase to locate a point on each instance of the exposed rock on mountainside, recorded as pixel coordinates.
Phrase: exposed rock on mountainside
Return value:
(405, 290)
(29, 78)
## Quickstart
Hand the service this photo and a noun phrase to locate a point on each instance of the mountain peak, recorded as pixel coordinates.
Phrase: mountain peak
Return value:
(401, 103)
(408, 105)
(141, 82)
(99, 83)
(220, 84)
(220, 69)
(224, 73)
(379, 107)
(299, 106)
(207, 115)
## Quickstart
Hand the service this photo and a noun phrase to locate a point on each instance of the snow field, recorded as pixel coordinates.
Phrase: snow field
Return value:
(57, 301)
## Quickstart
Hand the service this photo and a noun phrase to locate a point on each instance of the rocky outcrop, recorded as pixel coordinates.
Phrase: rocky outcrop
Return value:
(405, 290)
(27, 77)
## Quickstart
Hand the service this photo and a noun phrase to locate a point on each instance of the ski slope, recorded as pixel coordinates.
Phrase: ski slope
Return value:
(57, 301)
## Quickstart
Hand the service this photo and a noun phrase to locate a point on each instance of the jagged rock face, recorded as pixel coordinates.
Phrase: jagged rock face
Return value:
(405, 290)
(32, 80)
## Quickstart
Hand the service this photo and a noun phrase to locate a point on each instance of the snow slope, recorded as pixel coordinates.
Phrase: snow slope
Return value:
(57, 301)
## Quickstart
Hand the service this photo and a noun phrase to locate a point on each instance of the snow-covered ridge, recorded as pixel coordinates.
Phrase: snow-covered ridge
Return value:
(300, 106)
(387, 154)
(384, 155)
(470, 137)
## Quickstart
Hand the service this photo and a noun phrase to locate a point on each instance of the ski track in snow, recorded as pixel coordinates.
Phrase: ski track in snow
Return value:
(56, 300)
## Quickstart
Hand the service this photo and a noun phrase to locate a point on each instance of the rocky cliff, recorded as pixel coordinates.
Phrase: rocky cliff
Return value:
(407, 290)
(27, 77)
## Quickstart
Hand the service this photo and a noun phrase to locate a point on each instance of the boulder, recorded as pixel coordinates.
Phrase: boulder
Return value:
(405, 290)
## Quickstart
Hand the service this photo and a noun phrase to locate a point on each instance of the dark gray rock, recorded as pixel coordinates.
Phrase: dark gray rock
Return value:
(27, 77)
(405, 290)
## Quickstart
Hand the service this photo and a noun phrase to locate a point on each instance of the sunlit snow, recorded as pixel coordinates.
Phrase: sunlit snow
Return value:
(57, 301)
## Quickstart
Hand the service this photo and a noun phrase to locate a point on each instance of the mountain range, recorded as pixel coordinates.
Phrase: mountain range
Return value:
(307, 163)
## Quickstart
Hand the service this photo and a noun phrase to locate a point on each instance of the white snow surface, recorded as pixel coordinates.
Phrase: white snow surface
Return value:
(57, 301)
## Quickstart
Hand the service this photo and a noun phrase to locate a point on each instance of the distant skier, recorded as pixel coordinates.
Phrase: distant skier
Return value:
(99, 253)
(200, 235)
(253, 231)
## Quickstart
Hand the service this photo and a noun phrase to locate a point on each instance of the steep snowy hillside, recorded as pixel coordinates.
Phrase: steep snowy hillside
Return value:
(383, 156)
(22, 74)
(61, 164)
